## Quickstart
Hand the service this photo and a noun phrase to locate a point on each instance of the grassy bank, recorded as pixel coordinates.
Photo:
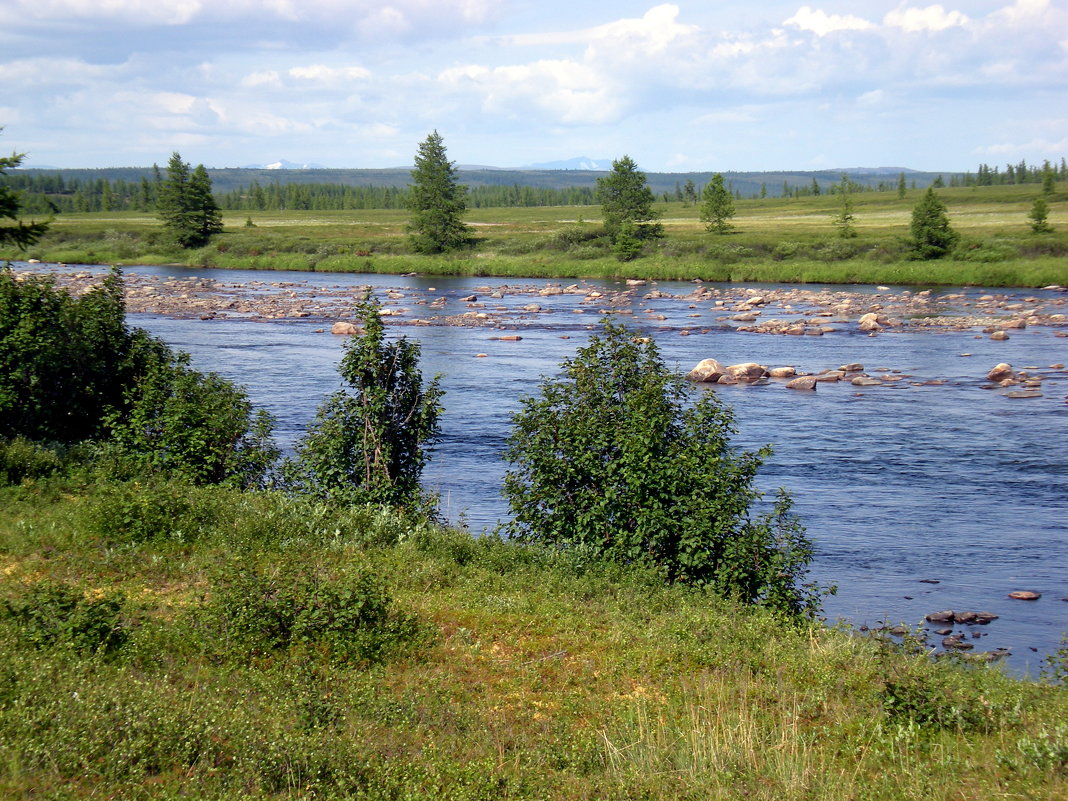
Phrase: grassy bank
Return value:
(775, 240)
(161, 641)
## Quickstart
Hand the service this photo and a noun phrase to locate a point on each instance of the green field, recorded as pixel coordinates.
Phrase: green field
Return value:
(775, 240)
(496, 671)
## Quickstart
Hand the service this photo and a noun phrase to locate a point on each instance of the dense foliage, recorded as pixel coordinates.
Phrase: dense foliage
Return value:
(436, 200)
(612, 458)
(370, 442)
(186, 205)
(65, 362)
(71, 371)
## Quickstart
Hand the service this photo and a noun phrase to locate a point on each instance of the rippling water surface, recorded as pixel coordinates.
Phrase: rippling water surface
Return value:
(895, 484)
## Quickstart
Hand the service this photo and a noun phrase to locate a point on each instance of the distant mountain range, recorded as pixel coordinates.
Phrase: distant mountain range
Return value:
(577, 163)
(282, 164)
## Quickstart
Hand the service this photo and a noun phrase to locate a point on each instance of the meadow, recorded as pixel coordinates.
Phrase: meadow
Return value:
(166, 641)
(786, 240)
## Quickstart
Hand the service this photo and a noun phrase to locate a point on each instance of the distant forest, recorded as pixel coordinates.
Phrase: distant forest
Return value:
(47, 191)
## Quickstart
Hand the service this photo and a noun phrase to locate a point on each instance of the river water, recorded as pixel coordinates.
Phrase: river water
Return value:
(898, 485)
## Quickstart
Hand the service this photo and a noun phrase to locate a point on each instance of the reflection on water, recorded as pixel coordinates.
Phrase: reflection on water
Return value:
(953, 483)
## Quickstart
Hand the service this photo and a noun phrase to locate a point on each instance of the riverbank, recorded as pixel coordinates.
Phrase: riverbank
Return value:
(775, 240)
(500, 671)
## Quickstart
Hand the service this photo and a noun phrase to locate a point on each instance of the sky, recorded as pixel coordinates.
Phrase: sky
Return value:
(692, 85)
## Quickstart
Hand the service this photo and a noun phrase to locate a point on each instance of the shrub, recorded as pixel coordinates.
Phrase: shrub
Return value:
(50, 614)
(132, 512)
(200, 427)
(71, 371)
(63, 361)
(370, 444)
(254, 612)
(21, 459)
(613, 457)
(947, 697)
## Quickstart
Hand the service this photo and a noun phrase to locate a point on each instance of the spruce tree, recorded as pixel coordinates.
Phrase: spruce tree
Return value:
(21, 234)
(1039, 217)
(717, 206)
(186, 205)
(626, 198)
(436, 200)
(843, 220)
(932, 236)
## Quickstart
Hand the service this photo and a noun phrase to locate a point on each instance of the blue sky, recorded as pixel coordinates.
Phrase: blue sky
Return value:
(729, 85)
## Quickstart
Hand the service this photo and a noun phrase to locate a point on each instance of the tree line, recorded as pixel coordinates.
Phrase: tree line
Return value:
(54, 194)
(50, 193)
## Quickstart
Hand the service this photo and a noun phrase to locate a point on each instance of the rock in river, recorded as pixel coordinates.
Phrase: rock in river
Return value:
(707, 370)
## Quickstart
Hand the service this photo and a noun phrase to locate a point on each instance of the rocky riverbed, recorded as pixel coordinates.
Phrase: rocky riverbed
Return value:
(704, 308)
(785, 311)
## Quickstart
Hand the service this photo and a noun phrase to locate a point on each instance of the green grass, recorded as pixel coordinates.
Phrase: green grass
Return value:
(506, 672)
(775, 240)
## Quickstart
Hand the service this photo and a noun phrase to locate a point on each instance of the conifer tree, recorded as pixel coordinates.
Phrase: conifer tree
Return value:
(932, 236)
(717, 206)
(21, 234)
(1039, 217)
(436, 200)
(626, 198)
(186, 205)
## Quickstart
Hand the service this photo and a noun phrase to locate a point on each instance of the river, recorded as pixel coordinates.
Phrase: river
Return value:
(929, 492)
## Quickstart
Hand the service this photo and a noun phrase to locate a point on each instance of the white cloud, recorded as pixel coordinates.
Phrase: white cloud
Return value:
(821, 23)
(876, 97)
(570, 92)
(376, 17)
(263, 78)
(651, 34)
(931, 18)
(320, 73)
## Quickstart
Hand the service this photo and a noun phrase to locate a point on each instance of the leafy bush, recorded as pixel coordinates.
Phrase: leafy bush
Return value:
(938, 697)
(613, 457)
(50, 614)
(255, 612)
(198, 426)
(369, 445)
(787, 250)
(984, 252)
(132, 512)
(21, 459)
(71, 371)
(63, 361)
(1046, 751)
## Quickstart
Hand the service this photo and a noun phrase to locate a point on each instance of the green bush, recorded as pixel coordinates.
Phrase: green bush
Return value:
(369, 444)
(157, 511)
(197, 426)
(49, 614)
(21, 459)
(255, 612)
(71, 371)
(945, 697)
(615, 457)
(984, 252)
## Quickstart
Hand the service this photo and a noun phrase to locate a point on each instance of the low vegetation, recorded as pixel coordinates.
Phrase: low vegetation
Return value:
(257, 645)
(772, 239)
